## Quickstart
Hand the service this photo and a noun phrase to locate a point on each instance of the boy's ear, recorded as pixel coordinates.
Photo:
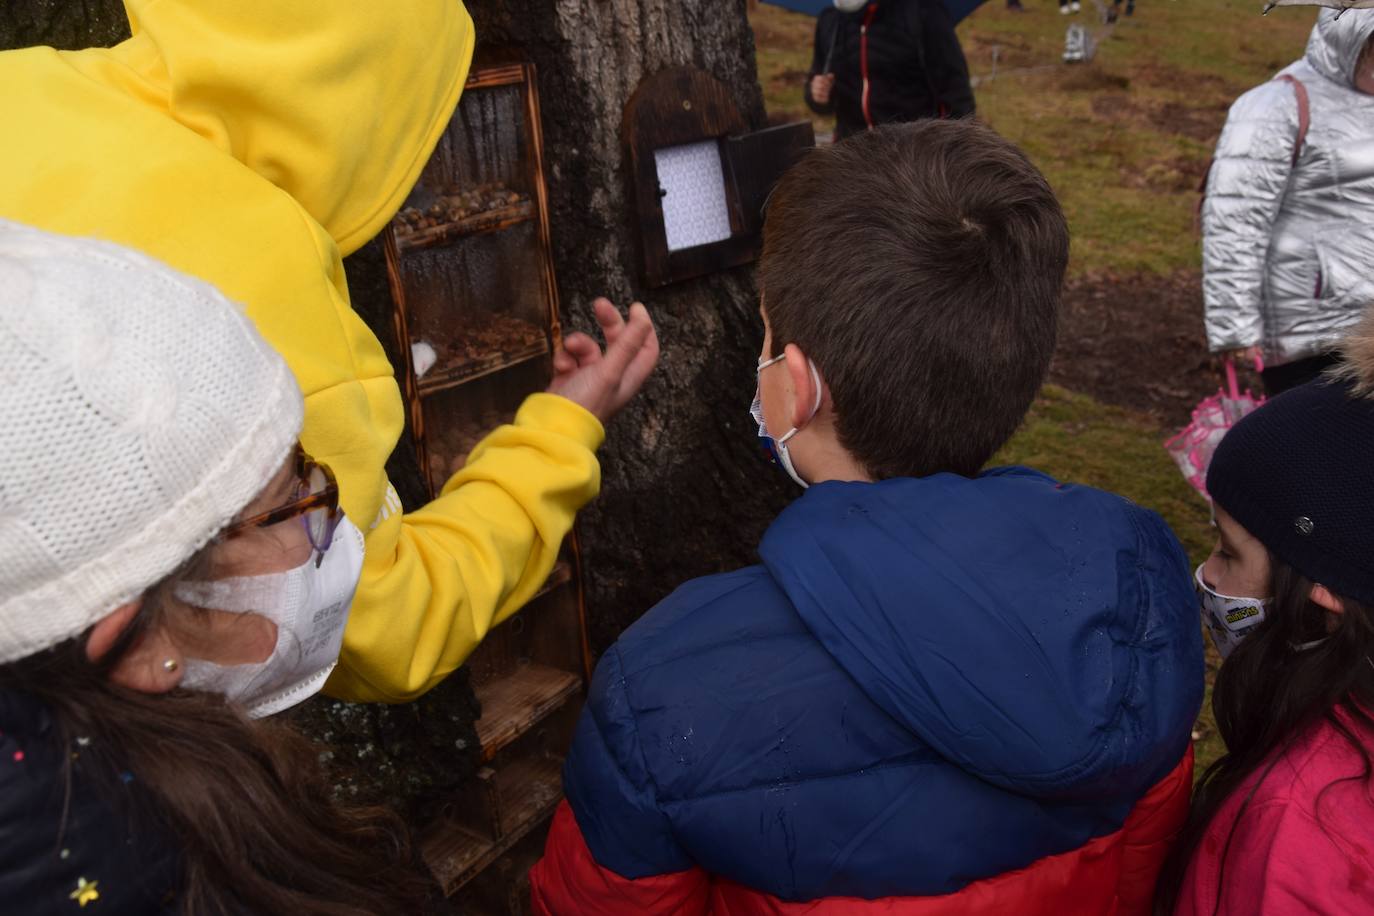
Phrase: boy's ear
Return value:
(1326, 598)
(803, 386)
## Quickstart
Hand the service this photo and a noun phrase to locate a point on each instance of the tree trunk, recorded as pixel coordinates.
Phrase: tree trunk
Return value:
(63, 24)
(685, 491)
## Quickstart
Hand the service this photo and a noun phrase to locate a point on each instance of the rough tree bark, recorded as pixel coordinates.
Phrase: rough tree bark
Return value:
(684, 489)
(685, 492)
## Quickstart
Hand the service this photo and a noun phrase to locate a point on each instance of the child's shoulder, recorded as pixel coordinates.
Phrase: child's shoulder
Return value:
(1300, 831)
(1325, 770)
(724, 609)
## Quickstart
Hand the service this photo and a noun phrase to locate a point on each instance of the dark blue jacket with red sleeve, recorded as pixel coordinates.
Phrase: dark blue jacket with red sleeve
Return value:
(943, 695)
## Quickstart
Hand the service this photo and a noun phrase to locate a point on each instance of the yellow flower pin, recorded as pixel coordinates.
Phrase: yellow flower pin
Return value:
(85, 892)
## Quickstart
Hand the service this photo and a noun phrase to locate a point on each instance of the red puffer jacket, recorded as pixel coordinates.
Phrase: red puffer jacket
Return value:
(1113, 875)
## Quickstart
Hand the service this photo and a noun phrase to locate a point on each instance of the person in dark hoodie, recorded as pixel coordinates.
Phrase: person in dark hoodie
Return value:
(887, 61)
(944, 689)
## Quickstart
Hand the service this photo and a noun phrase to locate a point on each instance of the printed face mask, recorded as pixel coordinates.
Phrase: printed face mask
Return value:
(778, 446)
(309, 605)
(1228, 618)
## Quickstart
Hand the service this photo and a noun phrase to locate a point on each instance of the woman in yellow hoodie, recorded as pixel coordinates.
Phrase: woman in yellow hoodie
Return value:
(254, 144)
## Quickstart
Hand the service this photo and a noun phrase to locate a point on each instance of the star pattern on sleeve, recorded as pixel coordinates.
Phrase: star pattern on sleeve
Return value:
(86, 892)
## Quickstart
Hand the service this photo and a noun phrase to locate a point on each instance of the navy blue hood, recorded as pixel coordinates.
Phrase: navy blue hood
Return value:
(1027, 631)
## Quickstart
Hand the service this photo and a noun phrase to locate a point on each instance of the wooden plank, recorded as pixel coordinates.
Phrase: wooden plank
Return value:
(477, 224)
(516, 703)
(442, 378)
(530, 788)
(455, 854)
(501, 75)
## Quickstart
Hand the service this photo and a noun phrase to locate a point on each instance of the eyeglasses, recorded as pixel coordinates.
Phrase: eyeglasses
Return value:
(316, 500)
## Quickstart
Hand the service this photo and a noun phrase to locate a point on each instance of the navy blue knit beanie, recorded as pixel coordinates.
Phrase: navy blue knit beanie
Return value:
(1298, 474)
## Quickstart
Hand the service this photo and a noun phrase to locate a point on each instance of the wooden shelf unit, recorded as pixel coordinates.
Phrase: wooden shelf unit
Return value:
(530, 672)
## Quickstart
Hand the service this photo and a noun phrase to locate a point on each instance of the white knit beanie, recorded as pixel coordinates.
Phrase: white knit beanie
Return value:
(140, 411)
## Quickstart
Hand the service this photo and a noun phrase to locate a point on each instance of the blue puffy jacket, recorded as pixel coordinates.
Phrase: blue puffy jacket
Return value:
(927, 684)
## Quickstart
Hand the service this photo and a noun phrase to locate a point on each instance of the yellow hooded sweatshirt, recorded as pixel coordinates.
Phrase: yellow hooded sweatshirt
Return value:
(253, 143)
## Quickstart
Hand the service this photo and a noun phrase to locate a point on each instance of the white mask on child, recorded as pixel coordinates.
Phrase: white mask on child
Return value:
(309, 605)
(1227, 617)
(780, 444)
(851, 6)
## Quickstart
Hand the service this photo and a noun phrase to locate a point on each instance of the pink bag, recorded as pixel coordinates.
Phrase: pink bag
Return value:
(1194, 445)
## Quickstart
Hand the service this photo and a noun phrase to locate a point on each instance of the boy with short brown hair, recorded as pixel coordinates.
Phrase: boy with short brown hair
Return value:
(942, 690)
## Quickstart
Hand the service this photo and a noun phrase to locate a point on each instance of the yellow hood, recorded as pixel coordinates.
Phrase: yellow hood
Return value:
(251, 143)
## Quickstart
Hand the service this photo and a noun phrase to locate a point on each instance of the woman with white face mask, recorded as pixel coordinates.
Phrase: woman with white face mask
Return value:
(173, 567)
(1284, 823)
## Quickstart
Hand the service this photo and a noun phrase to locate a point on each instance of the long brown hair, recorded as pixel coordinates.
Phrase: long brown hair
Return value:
(246, 801)
(1267, 695)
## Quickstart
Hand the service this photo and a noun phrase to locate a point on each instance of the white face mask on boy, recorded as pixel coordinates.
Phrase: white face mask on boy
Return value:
(780, 444)
(851, 6)
(309, 605)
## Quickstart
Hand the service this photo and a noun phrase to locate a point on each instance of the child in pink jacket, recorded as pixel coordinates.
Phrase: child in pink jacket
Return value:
(1284, 823)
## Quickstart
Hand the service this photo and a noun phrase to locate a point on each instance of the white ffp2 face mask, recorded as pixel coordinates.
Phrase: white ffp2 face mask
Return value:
(780, 444)
(308, 604)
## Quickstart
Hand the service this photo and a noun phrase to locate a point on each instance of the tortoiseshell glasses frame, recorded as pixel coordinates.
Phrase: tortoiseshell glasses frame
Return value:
(316, 500)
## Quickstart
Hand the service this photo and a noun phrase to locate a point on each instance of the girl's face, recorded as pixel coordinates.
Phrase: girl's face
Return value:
(233, 638)
(1239, 564)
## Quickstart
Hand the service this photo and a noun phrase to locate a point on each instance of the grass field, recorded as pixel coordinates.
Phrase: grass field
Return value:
(1124, 140)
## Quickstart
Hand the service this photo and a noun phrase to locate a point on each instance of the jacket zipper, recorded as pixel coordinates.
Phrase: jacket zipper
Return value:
(863, 60)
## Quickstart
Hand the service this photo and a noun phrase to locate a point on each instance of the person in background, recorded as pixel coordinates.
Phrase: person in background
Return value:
(173, 568)
(887, 61)
(1114, 11)
(1284, 822)
(944, 690)
(1288, 216)
(253, 144)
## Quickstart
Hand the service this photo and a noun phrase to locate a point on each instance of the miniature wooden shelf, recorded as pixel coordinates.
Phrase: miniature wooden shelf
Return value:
(521, 796)
(478, 224)
(486, 305)
(514, 704)
(443, 377)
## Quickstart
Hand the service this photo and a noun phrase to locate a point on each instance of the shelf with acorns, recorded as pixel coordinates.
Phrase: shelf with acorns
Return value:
(475, 306)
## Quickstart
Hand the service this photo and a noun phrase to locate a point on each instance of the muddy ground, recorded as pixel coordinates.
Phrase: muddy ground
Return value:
(1137, 341)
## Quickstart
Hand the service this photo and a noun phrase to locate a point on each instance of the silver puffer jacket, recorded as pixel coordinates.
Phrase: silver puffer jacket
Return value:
(1288, 251)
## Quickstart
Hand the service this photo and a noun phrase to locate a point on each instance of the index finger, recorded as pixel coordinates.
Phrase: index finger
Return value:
(629, 341)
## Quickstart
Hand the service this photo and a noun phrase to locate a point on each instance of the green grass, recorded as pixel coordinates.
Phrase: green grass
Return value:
(1124, 139)
(1072, 437)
